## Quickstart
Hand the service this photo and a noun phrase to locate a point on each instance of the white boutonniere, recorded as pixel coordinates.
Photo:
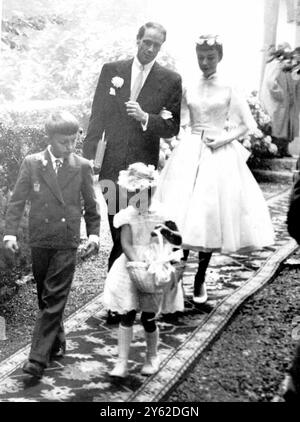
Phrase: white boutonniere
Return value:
(117, 82)
(112, 91)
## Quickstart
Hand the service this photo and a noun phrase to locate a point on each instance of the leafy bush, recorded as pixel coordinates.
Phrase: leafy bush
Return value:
(12, 266)
(259, 143)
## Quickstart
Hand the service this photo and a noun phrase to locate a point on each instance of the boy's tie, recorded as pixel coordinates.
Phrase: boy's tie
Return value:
(58, 164)
(138, 84)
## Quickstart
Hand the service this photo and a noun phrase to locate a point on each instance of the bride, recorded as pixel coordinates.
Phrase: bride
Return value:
(206, 184)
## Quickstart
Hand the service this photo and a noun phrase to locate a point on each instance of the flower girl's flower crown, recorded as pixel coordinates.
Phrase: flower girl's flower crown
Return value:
(209, 40)
(138, 176)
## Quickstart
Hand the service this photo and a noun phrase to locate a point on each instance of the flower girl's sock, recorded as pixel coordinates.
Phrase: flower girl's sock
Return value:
(124, 340)
(151, 365)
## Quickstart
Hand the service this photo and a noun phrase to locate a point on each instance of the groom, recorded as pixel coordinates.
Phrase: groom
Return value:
(136, 103)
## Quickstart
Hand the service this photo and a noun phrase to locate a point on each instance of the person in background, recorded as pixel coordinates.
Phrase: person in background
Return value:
(278, 97)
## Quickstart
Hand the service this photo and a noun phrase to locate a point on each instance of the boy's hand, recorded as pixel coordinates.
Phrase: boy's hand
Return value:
(11, 245)
(90, 249)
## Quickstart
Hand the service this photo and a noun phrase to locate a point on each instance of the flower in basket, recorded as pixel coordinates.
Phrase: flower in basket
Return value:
(138, 176)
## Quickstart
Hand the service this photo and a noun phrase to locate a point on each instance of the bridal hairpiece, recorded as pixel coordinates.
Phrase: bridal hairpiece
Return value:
(209, 40)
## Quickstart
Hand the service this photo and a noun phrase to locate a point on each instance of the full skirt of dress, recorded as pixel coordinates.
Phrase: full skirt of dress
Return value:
(121, 295)
(213, 198)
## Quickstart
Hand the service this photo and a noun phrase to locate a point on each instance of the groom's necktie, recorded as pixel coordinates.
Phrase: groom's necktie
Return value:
(138, 84)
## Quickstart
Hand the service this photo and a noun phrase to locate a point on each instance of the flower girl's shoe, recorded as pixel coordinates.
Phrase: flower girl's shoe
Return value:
(152, 361)
(202, 297)
(121, 368)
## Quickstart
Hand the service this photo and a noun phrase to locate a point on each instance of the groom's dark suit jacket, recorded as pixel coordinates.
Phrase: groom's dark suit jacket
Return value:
(126, 141)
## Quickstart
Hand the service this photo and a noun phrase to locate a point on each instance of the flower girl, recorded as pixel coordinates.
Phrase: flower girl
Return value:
(146, 259)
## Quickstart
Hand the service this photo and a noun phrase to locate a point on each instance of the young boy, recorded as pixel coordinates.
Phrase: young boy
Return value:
(53, 181)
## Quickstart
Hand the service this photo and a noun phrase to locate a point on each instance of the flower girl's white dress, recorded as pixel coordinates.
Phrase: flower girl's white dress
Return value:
(120, 293)
(211, 194)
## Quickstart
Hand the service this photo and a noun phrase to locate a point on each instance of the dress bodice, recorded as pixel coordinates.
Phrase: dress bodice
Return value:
(209, 102)
(141, 227)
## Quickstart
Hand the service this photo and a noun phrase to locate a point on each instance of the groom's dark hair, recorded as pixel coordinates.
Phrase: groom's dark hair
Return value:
(153, 25)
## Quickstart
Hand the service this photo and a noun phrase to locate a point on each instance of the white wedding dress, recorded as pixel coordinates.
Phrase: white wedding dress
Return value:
(211, 194)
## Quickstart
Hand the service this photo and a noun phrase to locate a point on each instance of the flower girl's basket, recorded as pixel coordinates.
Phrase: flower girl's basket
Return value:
(160, 274)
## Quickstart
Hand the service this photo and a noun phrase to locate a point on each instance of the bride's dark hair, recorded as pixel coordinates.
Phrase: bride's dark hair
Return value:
(210, 41)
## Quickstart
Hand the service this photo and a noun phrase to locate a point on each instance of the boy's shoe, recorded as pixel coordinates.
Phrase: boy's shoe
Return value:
(33, 368)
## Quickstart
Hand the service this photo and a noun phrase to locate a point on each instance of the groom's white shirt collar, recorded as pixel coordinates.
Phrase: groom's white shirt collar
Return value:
(136, 67)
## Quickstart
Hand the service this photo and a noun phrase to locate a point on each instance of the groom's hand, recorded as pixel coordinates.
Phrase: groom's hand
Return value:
(134, 110)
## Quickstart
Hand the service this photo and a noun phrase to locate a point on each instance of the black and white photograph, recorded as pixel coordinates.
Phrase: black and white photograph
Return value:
(149, 185)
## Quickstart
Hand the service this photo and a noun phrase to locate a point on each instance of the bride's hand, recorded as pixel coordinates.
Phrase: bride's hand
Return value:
(214, 143)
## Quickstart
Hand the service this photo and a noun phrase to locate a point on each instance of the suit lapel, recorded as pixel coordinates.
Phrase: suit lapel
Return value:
(153, 83)
(123, 93)
(49, 176)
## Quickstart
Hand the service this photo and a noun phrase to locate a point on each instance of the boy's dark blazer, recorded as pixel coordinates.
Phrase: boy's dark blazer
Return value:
(127, 143)
(56, 201)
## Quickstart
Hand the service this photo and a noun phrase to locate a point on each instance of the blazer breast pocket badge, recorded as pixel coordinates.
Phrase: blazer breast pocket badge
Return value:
(36, 187)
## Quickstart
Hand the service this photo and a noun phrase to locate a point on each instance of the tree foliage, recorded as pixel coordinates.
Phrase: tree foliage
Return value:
(59, 55)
